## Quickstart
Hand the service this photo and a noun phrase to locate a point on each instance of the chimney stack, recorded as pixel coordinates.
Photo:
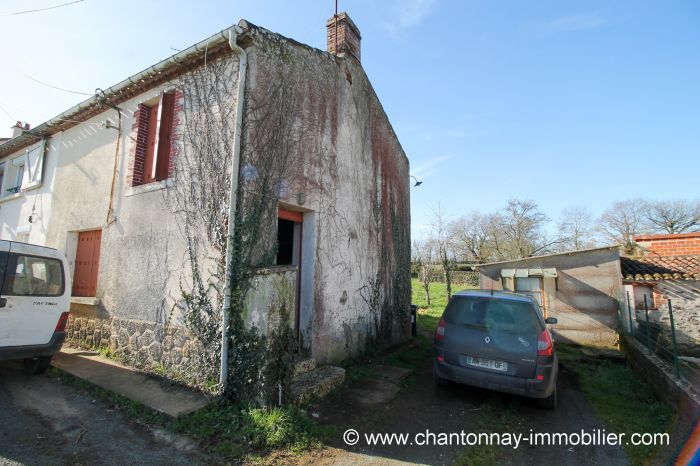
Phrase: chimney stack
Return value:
(19, 128)
(343, 36)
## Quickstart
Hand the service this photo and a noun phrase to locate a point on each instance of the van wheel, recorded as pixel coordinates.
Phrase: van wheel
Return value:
(35, 366)
(550, 402)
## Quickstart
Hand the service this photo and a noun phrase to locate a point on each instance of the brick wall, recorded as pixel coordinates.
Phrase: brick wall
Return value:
(670, 245)
(347, 38)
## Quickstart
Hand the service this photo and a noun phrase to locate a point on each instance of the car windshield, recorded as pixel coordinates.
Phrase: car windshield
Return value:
(504, 315)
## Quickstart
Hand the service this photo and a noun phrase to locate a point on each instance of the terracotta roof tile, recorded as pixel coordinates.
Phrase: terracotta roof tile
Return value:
(649, 268)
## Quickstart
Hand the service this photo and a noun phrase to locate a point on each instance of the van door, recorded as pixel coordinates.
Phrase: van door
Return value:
(32, 297)
(4, 254)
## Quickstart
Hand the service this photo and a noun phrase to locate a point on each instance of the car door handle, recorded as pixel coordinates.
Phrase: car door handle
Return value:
(3, 302)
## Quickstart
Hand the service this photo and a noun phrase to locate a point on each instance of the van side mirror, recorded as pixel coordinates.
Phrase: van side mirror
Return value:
(550, 320)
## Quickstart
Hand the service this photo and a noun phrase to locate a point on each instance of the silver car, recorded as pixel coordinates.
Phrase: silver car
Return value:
(498, 341)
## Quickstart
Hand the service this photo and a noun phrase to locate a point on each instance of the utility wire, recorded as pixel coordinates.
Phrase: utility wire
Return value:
(41, 9)
(6, 112)
(55, 87)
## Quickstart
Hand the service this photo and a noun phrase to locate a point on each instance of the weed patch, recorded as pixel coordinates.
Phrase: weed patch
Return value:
(623, 401)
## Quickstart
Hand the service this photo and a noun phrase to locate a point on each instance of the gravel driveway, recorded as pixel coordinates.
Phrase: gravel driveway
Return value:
(43, 421)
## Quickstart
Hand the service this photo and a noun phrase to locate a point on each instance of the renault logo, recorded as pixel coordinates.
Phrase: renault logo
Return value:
(487, 339)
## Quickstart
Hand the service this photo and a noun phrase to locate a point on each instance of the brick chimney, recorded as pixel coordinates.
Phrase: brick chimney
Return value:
(681, 244)
(343, 36)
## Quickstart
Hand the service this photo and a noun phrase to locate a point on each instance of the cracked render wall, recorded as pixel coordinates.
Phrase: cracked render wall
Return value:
(354, 180)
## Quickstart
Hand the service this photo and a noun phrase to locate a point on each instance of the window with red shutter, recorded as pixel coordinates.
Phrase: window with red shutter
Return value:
(158, 139)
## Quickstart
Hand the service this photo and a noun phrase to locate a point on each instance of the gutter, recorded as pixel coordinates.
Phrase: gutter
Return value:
(235, 165)
(112, 93)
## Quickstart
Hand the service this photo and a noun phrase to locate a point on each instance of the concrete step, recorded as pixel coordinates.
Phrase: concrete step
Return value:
(316, 383)
(172, 400)
(303, 366)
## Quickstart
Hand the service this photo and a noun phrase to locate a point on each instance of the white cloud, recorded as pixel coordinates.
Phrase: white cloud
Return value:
(430, 167)
(408, 13)
(578, 22)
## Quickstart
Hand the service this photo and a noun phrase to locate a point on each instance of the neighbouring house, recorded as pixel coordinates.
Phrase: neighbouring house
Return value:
(311, 234)
(666, 267)
(26, 182)
(582, 289)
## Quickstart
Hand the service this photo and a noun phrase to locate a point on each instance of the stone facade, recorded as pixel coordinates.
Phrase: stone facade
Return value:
(143, 344)
(685, 298)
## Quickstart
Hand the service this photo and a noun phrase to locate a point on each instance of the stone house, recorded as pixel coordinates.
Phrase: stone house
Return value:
(248, 180)
(582, 289)
(667, 267)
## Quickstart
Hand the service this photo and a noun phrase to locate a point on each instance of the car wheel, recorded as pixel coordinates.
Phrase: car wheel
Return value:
(439, 380)
(39, 365)
(550, 402)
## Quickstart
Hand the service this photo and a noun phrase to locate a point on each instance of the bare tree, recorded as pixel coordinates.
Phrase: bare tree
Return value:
(471, 237)
(623, 220)
(523, 230)
(673, 216)
(444, 247)
(424, 256)
(575, 229)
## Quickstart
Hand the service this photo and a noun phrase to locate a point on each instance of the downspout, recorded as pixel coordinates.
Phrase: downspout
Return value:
(235, 164)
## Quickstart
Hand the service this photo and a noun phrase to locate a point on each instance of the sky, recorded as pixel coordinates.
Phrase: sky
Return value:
(563, 103)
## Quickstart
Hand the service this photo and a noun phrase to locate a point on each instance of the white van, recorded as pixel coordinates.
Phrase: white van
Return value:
(34, 303)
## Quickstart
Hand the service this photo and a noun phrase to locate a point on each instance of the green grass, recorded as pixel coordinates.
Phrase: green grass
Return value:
(428, 316)
(623, 401)
(233, 431)
(227, 429)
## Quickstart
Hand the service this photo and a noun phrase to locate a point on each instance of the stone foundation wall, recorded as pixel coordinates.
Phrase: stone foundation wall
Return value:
(153, 347)
(685, 296)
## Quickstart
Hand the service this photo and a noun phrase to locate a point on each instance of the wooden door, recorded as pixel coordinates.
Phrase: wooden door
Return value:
(87, 263)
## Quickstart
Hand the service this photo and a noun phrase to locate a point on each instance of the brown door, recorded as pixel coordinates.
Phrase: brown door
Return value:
(87, 263)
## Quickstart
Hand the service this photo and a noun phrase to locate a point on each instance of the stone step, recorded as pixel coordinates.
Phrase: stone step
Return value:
(316, 383)
(303, 366)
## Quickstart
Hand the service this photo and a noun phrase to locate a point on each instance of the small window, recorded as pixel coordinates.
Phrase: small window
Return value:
(285, 242)
(15, 177)
(33, 276)
(158, 138)
(531, 286)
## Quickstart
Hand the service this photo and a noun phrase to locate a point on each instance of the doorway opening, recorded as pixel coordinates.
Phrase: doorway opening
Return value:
(289, 228)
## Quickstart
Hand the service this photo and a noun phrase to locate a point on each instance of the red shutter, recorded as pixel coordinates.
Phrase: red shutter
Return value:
(87, 263)
(150, 144)
(166, 131)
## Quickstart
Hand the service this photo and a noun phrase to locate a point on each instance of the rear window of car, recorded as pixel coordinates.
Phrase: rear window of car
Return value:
(33, 276)
(504, 315)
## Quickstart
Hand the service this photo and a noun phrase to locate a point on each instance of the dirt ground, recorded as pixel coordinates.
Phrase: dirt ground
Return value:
(422, 406)
(43, 421)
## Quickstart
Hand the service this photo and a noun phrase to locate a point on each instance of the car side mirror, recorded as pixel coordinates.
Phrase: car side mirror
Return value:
(550, 320)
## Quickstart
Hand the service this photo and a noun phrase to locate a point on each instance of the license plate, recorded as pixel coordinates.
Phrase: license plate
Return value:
(487, 363)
